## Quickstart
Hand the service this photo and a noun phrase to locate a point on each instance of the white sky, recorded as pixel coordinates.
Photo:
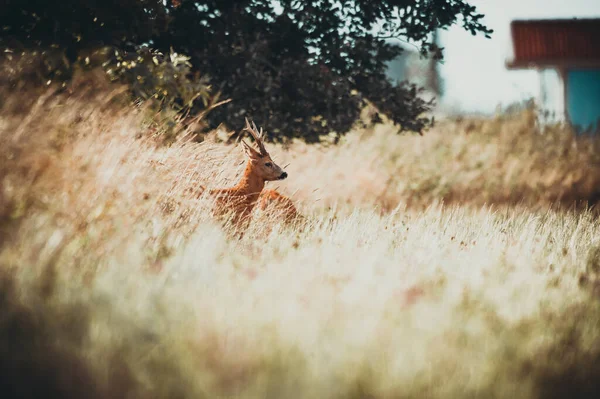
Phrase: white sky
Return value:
(474, 72)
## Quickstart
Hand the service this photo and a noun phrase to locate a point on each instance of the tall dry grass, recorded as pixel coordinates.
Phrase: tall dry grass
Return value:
(505, 160)
(116, 282)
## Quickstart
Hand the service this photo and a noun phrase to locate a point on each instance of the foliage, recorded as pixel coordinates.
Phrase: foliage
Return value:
(300, 68)
(151, 74)
(168, 80)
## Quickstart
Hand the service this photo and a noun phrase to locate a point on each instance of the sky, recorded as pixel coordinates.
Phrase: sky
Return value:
(474, 73)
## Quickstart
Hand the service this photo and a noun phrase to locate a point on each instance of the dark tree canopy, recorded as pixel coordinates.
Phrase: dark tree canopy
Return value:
(299, 68)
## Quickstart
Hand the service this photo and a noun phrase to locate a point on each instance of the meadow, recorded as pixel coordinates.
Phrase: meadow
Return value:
(464, 263)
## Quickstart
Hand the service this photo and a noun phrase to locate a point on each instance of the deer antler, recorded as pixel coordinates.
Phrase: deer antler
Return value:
(257, 136)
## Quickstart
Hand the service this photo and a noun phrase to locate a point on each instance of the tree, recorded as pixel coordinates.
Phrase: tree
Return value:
(299, 68)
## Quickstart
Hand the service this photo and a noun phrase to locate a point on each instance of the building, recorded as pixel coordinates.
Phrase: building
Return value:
(566, 53)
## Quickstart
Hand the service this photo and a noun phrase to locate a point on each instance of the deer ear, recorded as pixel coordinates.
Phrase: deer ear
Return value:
(251, 152)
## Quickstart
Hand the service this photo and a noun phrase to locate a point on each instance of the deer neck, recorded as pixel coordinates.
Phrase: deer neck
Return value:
(250, 184)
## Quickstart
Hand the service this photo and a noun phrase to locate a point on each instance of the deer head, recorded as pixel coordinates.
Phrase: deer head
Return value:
(262, 164)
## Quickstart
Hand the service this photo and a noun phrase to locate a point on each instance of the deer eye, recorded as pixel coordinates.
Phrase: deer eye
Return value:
(268, 164)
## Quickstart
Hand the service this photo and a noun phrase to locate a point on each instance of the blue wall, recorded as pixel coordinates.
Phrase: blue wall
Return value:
(583, 98)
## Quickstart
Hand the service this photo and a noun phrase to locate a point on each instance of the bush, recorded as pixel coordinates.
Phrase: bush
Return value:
(166, 82)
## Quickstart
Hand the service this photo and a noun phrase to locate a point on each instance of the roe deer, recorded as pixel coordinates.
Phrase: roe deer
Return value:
(260, 168)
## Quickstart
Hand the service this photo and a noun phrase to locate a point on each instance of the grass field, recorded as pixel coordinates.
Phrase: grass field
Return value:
(434, 266)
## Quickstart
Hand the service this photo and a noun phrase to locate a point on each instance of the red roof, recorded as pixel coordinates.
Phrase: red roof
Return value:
(552, 42)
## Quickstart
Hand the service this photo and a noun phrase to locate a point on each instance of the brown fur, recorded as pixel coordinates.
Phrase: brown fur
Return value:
(273, 200)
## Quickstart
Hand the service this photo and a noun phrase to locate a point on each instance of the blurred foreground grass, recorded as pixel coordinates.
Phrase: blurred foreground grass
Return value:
(115, 282)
